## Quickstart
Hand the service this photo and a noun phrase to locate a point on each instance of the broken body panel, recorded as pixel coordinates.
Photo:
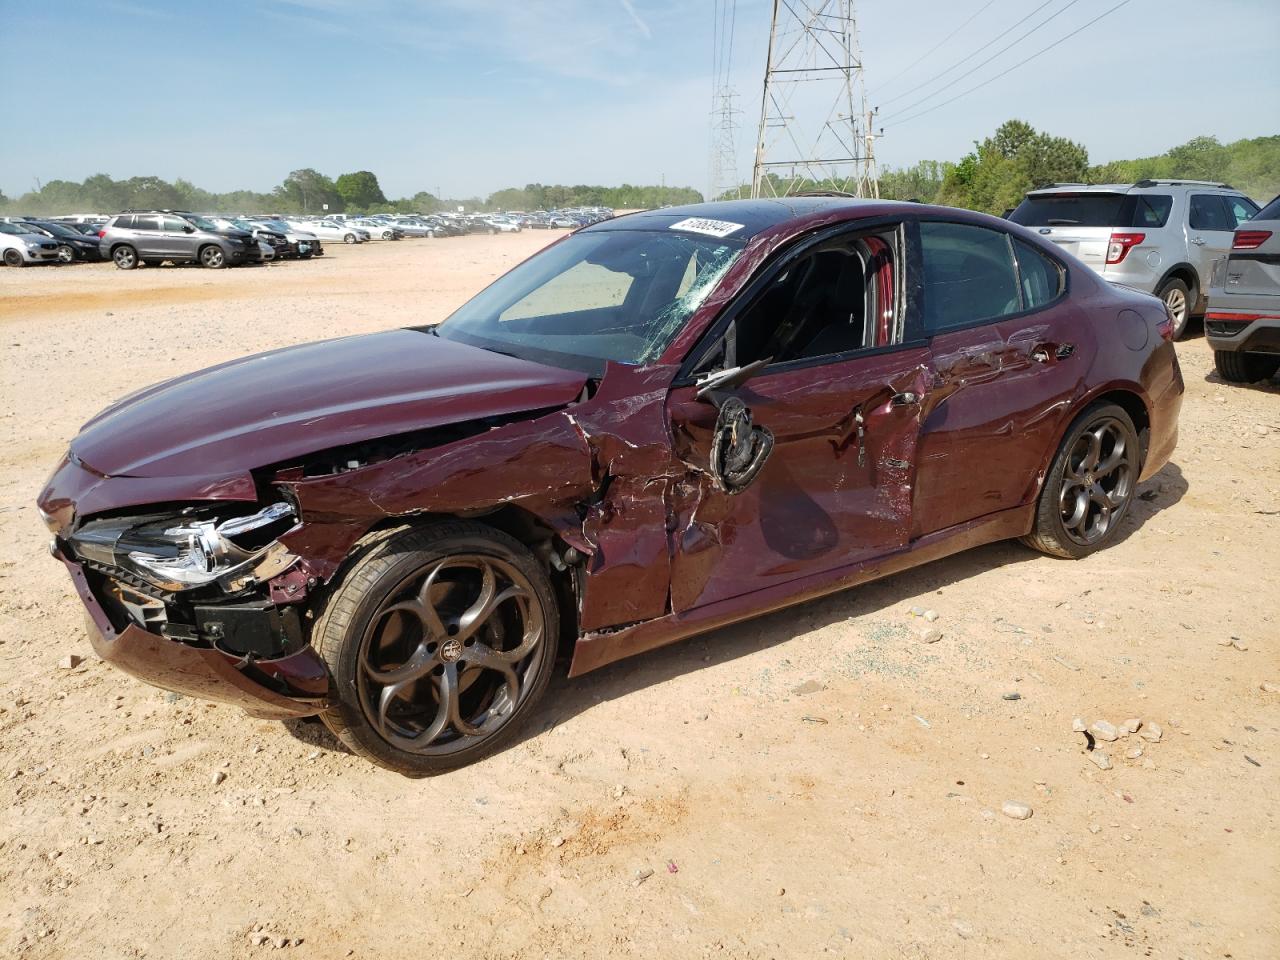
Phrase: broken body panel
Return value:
(866, 464)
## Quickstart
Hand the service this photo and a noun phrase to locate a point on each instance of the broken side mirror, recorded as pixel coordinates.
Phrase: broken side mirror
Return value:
(739, 447)
(709, 384)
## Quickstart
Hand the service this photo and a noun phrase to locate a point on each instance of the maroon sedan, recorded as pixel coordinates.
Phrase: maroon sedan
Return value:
(661, 424)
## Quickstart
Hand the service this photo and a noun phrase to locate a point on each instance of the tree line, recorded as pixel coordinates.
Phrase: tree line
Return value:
(992, 177)
(1001, 168)
(307, 191)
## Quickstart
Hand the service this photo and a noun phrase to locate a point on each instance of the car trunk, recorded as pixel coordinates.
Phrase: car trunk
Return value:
(1255, 271)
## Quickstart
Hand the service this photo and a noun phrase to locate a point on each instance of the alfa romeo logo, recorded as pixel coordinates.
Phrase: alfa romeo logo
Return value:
(450, 650)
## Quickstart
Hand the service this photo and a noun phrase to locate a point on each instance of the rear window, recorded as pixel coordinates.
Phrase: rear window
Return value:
(1270, 212)
(1094, 210)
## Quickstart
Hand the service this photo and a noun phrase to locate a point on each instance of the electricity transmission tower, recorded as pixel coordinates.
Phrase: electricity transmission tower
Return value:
(814, 72)
(724, 116)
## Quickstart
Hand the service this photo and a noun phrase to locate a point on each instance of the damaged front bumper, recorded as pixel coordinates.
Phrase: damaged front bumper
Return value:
(295, 684)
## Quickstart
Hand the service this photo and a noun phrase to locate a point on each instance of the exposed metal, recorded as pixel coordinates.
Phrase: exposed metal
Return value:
(815, 126)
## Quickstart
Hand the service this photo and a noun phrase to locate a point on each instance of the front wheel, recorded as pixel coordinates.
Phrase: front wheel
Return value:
(1237, 367)
(213, 258)
(1177, 297)
(1089, 486)
(66, 254)
(125, 257)
(440, 640)
(348, 238)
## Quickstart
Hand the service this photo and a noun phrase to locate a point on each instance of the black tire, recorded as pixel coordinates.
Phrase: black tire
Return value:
(348, 238)
(1072, 476)
(66, 254)
(1235, 366)
(125, 257)
(352, 630)
(14, 258)
(1177, 297)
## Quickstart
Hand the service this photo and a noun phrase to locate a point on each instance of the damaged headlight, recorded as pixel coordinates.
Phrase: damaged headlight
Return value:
(191, 549)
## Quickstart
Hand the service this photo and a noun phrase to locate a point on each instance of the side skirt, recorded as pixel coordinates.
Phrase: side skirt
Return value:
(598, 648)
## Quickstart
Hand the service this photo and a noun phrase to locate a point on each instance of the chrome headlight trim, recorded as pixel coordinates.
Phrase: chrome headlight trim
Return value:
(187, 552)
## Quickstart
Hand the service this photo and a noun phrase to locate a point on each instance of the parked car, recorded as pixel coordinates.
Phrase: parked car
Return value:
(332, 230)
(377, 230)
(303, 243)
(1242, 324)
(152, 237)
(72, 244)
(502, 225)
(274, 241)
(19, 246)
(667, 422)
(414, 227)
(1160, 236)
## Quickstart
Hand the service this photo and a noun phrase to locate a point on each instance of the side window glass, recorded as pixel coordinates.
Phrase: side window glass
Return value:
(837, 299)
(174, 225)
(969, 276)
(1151, 209)
(145, 223)
(1208, 212)
(1042, 279)
(1241, 209)
(124, 223)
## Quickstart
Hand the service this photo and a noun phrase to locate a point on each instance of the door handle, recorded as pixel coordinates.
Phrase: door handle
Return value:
(1198, 241)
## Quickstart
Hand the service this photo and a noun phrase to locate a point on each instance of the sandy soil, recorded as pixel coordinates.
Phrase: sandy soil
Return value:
(816, 782)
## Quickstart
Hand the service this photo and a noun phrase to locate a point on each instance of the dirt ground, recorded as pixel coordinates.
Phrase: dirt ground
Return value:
(818, 782)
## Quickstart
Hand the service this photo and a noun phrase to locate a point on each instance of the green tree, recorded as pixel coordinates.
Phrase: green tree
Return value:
(307, 191)
(359, 190)
(1003, 167)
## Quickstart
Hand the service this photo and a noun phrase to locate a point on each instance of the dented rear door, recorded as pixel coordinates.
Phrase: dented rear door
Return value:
(834, 489)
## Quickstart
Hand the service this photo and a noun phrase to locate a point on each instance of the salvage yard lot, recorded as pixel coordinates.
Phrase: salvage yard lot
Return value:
(816, 781)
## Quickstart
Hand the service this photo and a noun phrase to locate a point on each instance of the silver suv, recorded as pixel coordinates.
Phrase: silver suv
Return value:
(1159, 236)
(153, 236)
(1243, 322)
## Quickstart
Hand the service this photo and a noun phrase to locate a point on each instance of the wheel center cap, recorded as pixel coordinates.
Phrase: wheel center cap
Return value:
(450, 650)
(1089, 479)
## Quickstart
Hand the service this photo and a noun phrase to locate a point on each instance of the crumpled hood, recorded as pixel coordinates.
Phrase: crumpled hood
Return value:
(280, 405)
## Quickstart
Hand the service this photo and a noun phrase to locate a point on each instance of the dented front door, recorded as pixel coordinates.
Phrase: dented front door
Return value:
(836, 446)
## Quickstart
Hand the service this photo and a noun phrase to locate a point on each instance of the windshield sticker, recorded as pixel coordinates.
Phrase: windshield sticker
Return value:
(712, 228)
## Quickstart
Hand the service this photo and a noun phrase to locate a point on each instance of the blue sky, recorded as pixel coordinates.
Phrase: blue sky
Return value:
(468, 96)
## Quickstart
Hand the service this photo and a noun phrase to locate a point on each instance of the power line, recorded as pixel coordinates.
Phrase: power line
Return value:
(1055, 43)
(994, 56)
(1005, 32)
(908, 68)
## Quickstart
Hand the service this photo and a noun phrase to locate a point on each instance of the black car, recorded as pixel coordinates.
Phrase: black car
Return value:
(72, 244)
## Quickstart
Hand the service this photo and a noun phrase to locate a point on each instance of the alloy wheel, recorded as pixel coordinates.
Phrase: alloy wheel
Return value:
(450, 654)
(1097, 481)
(65, 254)
(1176, 300)
(125, 257)
(212, 257)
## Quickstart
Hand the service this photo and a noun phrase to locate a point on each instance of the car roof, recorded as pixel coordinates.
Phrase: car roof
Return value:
(756, 216)
(1159, 186)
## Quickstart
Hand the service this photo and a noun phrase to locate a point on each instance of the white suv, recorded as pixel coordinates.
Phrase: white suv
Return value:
(1159, 236)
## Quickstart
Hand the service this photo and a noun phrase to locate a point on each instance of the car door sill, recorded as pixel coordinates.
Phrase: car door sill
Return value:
(597, 648)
